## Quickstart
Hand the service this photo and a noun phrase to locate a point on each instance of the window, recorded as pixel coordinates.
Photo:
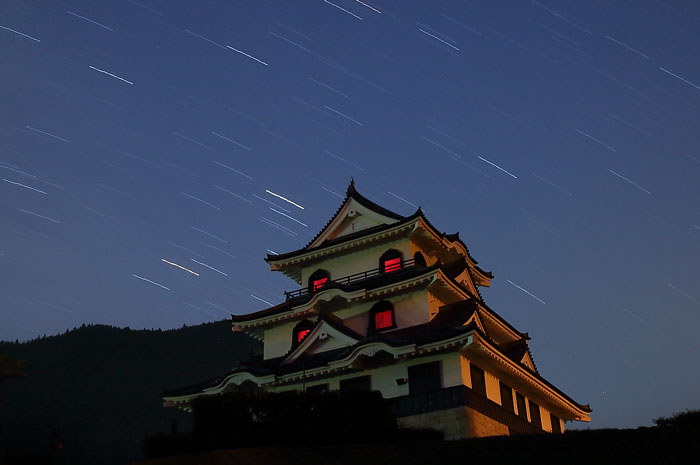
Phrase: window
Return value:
(318, 283)
(390, 261)
(418, 259)
(556, 424)
(478, 379)
(424, 378)
(520, 399)
(535, 414)
(507, 397)
(317, 280)
(360, 383)
(392, 265)
(381, 317)
(300, 332)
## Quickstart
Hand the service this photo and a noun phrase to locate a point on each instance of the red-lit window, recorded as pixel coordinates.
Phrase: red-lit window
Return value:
(302, 334)
(319, 283)
(383, 319)
(392, 264)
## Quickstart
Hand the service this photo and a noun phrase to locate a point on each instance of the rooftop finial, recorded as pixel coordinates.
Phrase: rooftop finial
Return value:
(351, 187)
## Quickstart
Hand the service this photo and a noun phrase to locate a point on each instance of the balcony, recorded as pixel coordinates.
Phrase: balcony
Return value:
(352, 279)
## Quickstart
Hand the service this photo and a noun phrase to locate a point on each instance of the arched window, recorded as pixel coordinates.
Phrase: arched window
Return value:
(300, 332)
(390, 261)
(418, 259)
(318, 279)
(381, 316)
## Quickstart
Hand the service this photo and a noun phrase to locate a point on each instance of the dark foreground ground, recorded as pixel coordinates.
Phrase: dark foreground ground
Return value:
(638, 446)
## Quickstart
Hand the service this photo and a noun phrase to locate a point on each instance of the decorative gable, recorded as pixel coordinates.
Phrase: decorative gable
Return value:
(477, 321)
(323, 337)
(466, 281)
(528, 362)
(352, 217)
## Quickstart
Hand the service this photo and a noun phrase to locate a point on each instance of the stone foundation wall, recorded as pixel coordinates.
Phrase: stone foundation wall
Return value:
(456, 423)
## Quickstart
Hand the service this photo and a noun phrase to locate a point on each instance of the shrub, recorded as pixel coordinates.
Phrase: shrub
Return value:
(290, 418)
(689, 418)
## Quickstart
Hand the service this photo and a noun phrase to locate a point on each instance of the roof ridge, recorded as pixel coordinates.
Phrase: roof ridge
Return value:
(350, 193)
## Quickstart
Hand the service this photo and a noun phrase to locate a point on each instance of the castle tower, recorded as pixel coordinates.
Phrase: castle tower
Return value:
(388, 303)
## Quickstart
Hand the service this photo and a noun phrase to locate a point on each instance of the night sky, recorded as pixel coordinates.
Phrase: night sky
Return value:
(560, 138)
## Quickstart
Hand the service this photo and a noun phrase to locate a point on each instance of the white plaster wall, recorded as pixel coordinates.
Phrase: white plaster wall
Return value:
(362, 218)
(546, 421)
(529, 392)
(409, 309)
(329, 344)
(527, 409)
(356, 317)
(358, 224)
(278, 340)
(384, 380)
(430, 259)
(466, 373)
(493, 389)
(452, 370)
(434, 304)
(356, 260)
(515, 403)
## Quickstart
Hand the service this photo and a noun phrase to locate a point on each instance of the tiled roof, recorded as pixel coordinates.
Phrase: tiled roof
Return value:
(199, 387)
(455, 238)
(351, 193)
(516, 350)
(448, 324)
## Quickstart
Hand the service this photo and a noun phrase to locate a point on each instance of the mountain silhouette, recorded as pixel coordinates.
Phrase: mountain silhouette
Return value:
(99, 387)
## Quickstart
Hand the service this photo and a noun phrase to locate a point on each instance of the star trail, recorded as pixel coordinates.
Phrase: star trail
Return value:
(559, 139)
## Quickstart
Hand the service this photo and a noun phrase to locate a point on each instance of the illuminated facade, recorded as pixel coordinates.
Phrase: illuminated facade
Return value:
(388, 303)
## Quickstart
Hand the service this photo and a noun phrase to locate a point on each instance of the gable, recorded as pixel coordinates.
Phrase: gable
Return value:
(496, 329)
(351, 218)
(324, 344)
(466, 281)
(477, 321)
(528, 362)
(322, 338)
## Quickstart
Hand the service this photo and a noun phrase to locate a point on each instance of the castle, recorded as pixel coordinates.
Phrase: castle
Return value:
(388, 303)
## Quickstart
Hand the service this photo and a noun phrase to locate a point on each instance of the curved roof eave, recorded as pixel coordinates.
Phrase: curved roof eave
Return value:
(352, 193)
(374, 283)
(585, 409)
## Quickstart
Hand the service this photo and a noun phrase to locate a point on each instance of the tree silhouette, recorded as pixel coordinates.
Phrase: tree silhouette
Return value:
(9, 369)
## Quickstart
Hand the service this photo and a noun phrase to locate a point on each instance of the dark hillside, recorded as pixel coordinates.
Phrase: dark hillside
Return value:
(100, 387)
(677, 446)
